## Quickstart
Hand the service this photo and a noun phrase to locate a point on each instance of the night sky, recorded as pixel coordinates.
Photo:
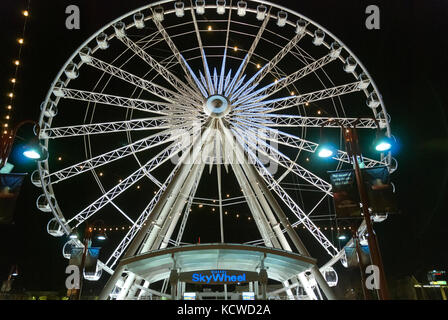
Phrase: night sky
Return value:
(407, 58)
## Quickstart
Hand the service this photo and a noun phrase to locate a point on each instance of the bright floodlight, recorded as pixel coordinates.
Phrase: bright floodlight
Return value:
(325, 151)
(32, 154)
(342, 237)
(101, 237)
(383, 146)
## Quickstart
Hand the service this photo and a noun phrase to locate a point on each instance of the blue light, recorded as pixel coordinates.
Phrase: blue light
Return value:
(342, 237)
(383, 146)
(326, 151)
(32, 154)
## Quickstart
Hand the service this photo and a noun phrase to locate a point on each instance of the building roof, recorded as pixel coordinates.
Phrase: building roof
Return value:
(156, 265)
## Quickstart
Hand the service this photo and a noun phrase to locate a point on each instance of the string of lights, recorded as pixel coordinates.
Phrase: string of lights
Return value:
(327, 227)
(6, 128)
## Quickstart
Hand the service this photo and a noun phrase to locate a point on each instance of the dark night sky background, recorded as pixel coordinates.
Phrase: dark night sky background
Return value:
(407, 58)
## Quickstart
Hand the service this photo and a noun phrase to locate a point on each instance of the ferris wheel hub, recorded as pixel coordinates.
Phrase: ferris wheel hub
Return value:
(217, 106)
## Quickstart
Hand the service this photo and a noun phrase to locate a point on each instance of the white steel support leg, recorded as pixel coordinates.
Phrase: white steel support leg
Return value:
(221, 220)
(275, 226)
(257, 182)
(137, 242)
(176, 187)
(174, 213)
(257, 212)
(127, 284)
(141, 235)
(165, 229)
(259, 207)
(175, 203)
(292, 234)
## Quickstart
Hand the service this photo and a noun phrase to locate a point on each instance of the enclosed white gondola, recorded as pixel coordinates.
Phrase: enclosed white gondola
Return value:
(242, 7)
(179, 8)
(373, 101)
(43, 204)
(43, 130)
(301, 26)
(120, 29)
(221, 6)
(336, 50)
(282, 16)
(67, 248)
(261, 12)
(36, 180)
(350, 64)
(58, 89)
(159, 13)
(319, 36)
(365, 81)
(102, 41)
(54, 228)
(139, 20)
(72, 71)
(200, 7)
(330, 276)
(49, 109)
(85, 54)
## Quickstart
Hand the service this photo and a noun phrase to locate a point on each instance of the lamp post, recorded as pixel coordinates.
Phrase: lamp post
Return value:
(88, 232)
(7, 142)
(354, 153)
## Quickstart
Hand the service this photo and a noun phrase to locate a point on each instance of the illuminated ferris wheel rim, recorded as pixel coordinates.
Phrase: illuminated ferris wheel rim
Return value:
(43, 168)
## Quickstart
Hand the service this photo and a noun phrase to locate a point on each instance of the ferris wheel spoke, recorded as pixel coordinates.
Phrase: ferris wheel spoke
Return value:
(294, 101)
(290, 79)
(155, 89)
(189, 74)
(165, 73)
(222, 82)
(156, 107)
(277, 136)
(293, 141)
(254, 44)
(284, 120)
(158, 123)
(117, 154)
(259, 95)
(269, 67)
(260, 106)
(125, 184)
(285, 197)
(210, 85)
(274, 155)
(231, 87)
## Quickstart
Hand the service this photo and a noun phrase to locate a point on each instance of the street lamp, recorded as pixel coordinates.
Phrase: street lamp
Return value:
(382, 144)
(33, 151)
(101, 236)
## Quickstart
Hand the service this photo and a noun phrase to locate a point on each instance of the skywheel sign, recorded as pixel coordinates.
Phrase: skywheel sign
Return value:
(218, 277)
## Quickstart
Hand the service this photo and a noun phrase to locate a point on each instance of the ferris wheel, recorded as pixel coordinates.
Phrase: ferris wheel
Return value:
(175, 90)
